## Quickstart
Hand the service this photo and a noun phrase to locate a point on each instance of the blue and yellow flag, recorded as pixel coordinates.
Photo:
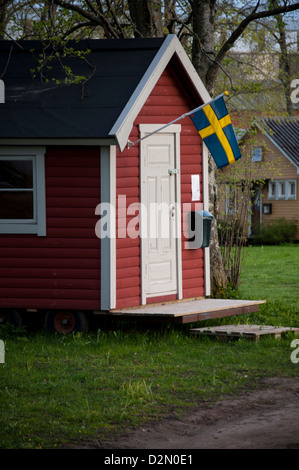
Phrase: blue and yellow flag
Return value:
(215, 128)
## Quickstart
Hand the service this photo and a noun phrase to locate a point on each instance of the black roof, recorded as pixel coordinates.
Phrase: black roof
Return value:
(39, 104)
(284, 132)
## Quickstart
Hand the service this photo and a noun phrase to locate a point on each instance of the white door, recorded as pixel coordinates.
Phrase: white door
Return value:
(159, 217)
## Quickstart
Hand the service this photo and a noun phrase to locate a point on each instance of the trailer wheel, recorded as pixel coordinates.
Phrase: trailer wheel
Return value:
(66, 321)
(10, 316)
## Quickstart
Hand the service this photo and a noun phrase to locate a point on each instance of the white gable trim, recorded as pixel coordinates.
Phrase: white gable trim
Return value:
(277, 146)
(122, 128)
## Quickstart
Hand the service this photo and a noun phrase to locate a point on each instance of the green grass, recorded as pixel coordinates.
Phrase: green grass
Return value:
(59, 391)
(271, 273)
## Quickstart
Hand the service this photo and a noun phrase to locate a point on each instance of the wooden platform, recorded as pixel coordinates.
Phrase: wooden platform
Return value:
(252, 332)
(189, 311)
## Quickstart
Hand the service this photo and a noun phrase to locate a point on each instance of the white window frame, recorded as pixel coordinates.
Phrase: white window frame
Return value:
(38, 224)
(272, 189)
(280, 193)
(230, 197)
(277, 193)
(288, 189)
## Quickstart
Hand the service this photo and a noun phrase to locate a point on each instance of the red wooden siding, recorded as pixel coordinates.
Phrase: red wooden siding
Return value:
(61, 270)
(127, 249)
(166, 103)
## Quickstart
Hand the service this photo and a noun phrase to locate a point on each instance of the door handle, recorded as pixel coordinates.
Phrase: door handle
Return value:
(174, 171)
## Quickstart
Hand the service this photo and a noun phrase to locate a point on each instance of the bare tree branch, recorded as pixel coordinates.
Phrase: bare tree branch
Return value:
(76, 27)
(98, 19)
(253, 16)
(237, 33)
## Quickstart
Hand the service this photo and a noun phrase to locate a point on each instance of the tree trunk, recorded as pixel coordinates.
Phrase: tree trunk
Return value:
(147, 17)
(203, 47)
(3, 20)
(284, 65)
(202, 57)
(218, 274)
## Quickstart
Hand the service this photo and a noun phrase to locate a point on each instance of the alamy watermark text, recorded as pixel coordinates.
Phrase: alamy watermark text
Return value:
(295, 353)
(2, 92)
(2, 352)
(295, 93)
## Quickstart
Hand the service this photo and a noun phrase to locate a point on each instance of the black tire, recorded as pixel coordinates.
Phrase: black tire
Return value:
(66, 321)
(10, 316)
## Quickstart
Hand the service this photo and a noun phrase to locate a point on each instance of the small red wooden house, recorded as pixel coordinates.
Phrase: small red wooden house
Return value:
(71, 189)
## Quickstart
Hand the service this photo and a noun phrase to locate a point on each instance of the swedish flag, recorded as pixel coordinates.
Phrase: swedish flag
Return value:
(215, 128)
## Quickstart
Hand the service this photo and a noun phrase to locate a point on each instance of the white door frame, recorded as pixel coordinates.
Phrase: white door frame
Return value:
(175, 130)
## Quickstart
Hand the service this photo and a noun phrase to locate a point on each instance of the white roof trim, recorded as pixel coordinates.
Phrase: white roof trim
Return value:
(66, 141)
(122, 127)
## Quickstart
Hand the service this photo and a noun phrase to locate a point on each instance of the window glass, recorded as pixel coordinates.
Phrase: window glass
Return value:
(16, 205)
(257, 154)
(282, 191)
(272, 190)
(16, 189)
(16, 174)
(22, 190)
(292, 188)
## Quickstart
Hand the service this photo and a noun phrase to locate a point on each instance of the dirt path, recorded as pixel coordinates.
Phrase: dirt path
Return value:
(265, 419)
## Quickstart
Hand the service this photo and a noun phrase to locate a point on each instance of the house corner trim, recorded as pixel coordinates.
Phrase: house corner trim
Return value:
(108, 244)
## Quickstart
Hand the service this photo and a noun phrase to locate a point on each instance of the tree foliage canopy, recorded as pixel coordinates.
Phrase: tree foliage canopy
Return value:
(208, 29)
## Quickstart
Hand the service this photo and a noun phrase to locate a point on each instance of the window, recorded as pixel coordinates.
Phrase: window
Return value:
(257, 153)
(282, 190)
(22, 191)
(291, 189)
(272, 190)
(230, 199)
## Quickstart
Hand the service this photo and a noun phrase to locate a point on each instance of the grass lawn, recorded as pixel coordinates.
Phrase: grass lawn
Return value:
(56, 391)
(271, 273)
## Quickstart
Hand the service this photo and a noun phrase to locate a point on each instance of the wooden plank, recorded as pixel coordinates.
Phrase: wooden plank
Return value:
(187, 307)
(68, 202)
(72, 223)
(58, 293)
(47, 263)
(252, 332)
(75, 182)
(70, 172)
(219, 313)
(45, 303)
(39, 283)
(52, 253)
(45, 273)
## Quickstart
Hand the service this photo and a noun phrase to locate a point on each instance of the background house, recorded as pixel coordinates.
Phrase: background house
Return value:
(270, 150)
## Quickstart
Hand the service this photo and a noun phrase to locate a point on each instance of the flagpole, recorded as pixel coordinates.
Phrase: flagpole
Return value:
(130, 143)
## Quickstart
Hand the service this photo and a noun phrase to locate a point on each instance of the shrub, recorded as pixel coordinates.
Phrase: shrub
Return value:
(232, 237)
(229, 229)
(278, 232)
